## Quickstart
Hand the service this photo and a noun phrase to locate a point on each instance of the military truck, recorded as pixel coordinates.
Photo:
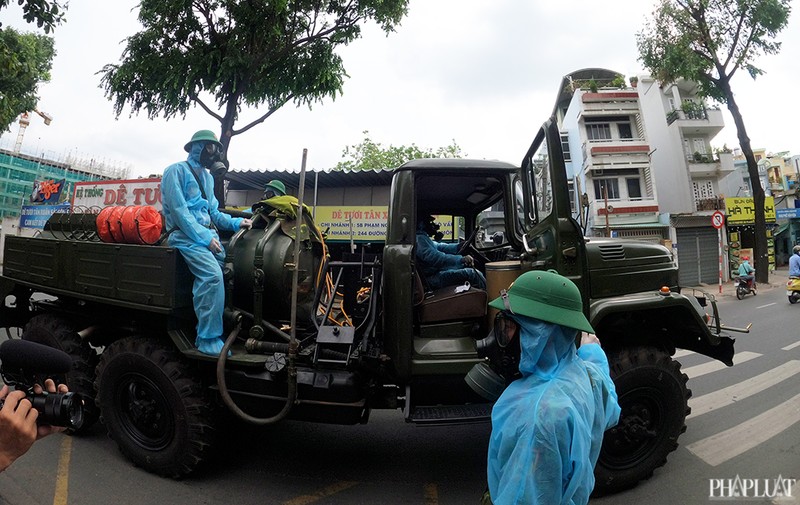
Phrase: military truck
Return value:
(323, 338)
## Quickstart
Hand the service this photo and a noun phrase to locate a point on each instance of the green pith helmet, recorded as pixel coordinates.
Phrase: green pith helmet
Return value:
(547, 296)
(202, 135)
(276, 186)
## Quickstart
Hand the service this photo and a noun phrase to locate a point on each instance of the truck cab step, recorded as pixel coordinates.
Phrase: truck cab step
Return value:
(450, 414)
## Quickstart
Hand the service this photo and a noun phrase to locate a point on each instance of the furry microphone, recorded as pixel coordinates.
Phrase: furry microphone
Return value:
(33, 358)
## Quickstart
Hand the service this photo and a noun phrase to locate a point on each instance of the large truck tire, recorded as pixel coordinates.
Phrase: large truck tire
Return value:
(57, 332)
(654, 400)
(154, 407)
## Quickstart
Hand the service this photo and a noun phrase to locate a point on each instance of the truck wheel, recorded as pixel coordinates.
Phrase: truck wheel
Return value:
(153, 407)
(654, 401)
(56, 332)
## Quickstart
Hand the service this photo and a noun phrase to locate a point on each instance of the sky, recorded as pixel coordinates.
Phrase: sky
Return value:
(483, 74)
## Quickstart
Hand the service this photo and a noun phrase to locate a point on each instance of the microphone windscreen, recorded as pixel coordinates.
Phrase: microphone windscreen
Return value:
(33, 358)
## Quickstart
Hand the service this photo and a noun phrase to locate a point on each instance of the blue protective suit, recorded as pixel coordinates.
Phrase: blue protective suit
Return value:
(547, 426)
(191, 215)
(794, 265)
(439, 264)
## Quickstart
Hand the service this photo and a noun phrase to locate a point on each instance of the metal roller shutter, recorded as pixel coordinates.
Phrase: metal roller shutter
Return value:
(698, 256)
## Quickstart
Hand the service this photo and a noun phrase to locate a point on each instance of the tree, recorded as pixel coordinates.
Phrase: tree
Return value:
(47, 14)
(369, 155)
(225, 54)
(708, 41)
(25, 61)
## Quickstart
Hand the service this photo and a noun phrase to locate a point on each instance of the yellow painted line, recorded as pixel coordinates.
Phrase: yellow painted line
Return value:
(62, 475)
(328, 491)
(431, 494)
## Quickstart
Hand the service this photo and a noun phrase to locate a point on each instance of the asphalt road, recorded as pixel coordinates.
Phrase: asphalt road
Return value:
(744, 423)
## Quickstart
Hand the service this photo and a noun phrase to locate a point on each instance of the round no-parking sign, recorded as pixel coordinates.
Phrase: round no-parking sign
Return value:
(717, 219)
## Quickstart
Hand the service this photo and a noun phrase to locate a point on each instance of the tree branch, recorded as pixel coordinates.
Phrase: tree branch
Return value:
(264, 117)
(210, 112)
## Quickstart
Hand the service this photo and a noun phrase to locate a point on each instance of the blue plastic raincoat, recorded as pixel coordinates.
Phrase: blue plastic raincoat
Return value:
(547, 426)
(186, 210)
(441, 266)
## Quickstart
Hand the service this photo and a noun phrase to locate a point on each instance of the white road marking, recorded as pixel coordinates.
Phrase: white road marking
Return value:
(767, 305)
(713, 366)
(791, 346)
(730, 443)
(736, 392)
(681, 353)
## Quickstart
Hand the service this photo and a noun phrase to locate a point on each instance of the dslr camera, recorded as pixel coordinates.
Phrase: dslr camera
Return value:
(21, 362)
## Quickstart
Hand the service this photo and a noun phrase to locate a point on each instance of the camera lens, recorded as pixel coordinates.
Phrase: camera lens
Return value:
(59, 409)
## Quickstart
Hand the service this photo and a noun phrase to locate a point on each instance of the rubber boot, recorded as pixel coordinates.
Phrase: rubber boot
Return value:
(210, 346)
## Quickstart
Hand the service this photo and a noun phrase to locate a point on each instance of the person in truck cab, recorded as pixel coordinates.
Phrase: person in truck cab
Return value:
(192, 217)
(548, 425)
(439, 264)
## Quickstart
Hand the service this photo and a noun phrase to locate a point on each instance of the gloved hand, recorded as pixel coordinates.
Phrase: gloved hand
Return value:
(468, 261)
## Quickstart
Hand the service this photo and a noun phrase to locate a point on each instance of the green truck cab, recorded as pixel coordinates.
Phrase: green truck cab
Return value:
(323, 338)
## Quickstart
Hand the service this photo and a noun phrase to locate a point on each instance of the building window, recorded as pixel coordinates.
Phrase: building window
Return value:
(606, 185)
(565, 147)
(625, 131)
(702, 190)
(634, 188)
(598, 131)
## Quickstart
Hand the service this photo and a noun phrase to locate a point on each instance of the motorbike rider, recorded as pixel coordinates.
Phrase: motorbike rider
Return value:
(746, 271)
(794, 262)
(192, 216)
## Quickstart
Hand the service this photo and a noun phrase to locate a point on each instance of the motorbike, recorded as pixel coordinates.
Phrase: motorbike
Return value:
(793, 289)
(745, 287)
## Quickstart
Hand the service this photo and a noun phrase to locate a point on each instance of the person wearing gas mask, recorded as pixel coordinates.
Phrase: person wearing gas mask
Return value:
(439, 263)
(548, 425)
(191, 214)
(274, 188)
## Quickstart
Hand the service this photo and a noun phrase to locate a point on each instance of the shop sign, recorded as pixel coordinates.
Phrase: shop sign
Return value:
(363, 223)
(741, 210)
(35, 216)
(99, 194)
(787, 213)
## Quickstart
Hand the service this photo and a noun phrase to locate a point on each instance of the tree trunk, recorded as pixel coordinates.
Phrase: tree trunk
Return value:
(760, 251)
(225, 140)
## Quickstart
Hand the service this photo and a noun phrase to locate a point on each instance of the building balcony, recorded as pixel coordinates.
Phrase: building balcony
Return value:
(616, 108)
(642, 210)
(708, 166)
(710, 204)
(701, 120)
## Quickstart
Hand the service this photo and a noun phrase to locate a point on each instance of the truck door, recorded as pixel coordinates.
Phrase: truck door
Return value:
(552, 239)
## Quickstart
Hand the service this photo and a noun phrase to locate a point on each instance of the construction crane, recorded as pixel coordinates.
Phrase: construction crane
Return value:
(24, 121)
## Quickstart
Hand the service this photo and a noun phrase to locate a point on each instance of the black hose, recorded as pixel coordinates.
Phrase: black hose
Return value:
(291, 393)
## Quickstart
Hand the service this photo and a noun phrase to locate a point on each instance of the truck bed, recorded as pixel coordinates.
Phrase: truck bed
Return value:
(151, 278)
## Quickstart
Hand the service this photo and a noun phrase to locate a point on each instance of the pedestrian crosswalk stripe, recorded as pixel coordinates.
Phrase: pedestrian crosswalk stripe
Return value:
(736, 392)
(732, 442)
(713, 366)
(791, 346)
(681, 353)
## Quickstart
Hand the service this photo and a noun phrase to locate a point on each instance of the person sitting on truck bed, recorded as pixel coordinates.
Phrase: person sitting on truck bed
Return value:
(192, 216)
(274, 188)
(548, 425)
(438, 262)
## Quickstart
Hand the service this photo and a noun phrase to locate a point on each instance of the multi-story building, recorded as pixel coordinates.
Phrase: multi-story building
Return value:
(641, 157)
(607, 151)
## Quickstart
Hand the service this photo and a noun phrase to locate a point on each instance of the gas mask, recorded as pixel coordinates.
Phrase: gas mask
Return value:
(501, 352)
(213, 158)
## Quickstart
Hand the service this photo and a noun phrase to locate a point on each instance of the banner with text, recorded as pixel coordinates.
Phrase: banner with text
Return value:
(363, 223)
(101, 194)
(35, 216)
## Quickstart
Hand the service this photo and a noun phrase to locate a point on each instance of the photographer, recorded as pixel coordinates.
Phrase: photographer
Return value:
(18, 429)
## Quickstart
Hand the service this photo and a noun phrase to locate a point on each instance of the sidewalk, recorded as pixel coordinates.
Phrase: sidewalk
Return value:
(777, 279)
